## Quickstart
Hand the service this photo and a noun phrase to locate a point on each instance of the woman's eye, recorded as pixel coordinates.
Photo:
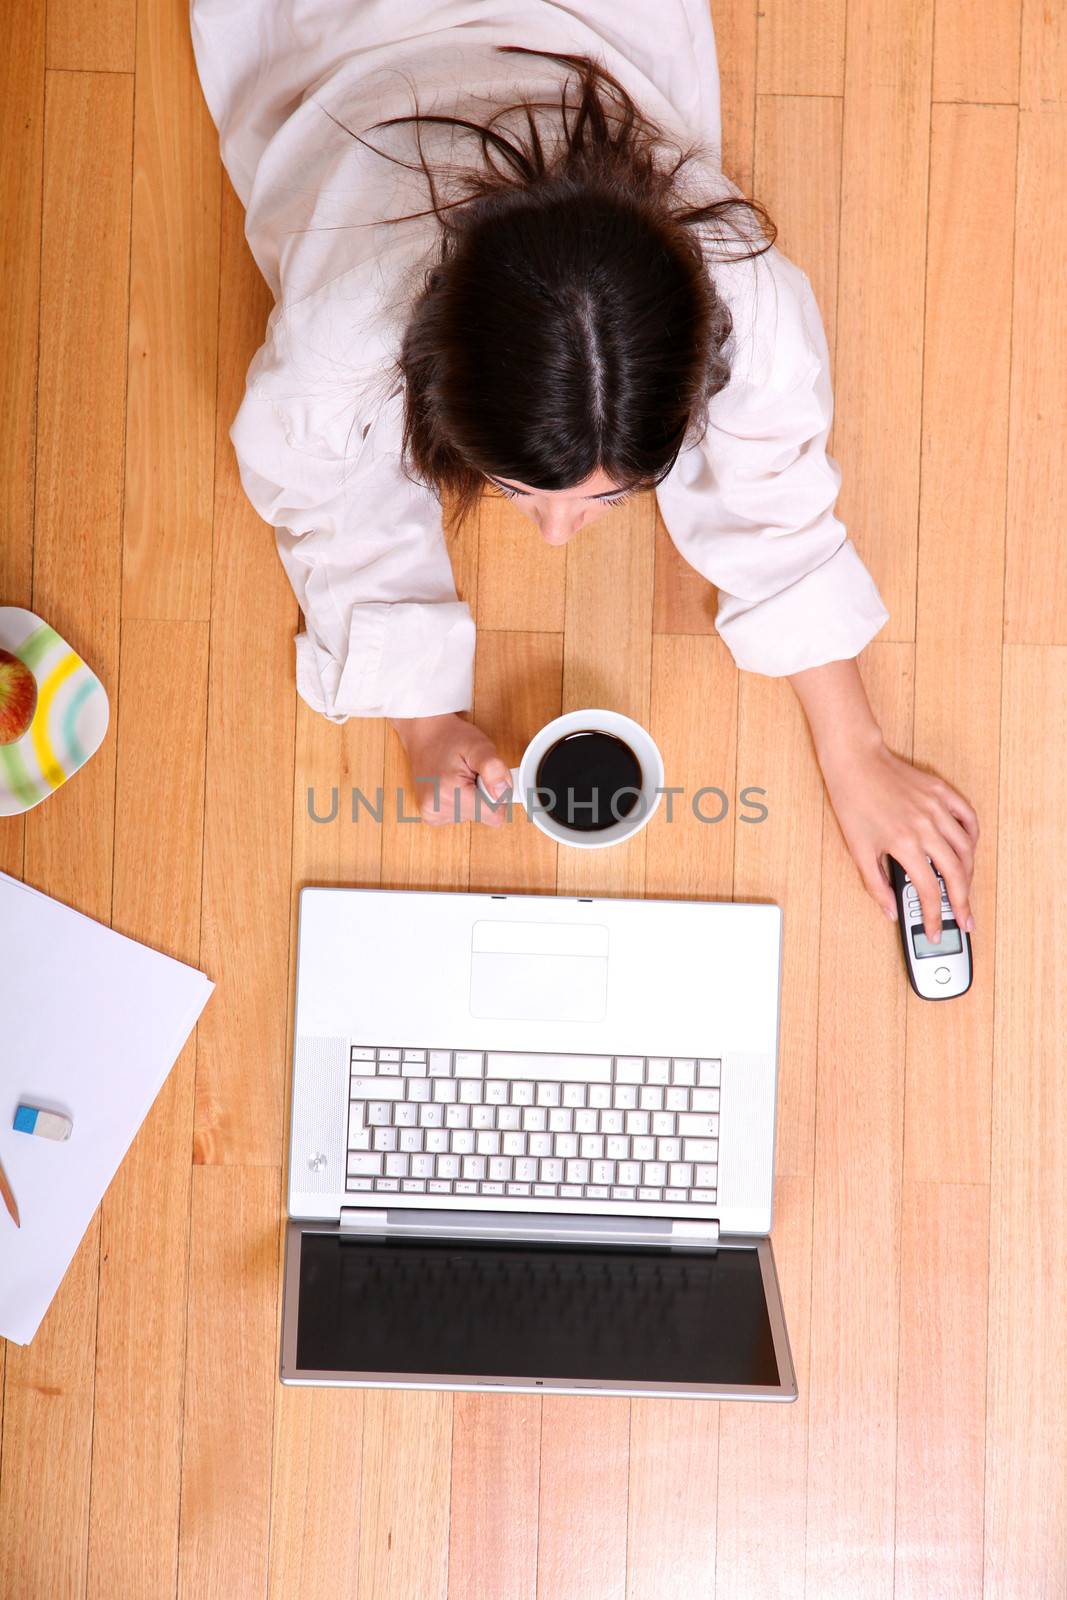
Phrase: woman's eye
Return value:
(618, 499)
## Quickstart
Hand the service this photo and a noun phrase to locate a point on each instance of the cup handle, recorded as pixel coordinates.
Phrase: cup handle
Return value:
(516, 792)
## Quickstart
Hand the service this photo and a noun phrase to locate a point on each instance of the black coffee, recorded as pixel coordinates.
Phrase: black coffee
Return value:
(589, 781)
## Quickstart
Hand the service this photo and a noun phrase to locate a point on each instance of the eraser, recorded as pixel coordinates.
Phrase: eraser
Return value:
(43, 1124)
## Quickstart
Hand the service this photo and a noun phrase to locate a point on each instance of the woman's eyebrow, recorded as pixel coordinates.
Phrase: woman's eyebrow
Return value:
(608, 494)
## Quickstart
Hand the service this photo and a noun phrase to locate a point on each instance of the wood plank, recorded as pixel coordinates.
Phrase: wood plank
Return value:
(585, 1457)
(941, 1398)
(92, 36)
(801, 47)
(607, 663)
(1043, 66)
(957, 682)
(735, 44)
(690, 840)
(684, 601)
(230, 1380)
(22, 140)
(140, 1342)
(243, 1051)
(778, 859)
(407, 1439)
(496, 1454)
(880, 291)
(318, 1462)
(518, 685)
(48, 1410)
(976, 55)
(760, 1527)
(671, 1525)
(174, 305)
(1026, 1447)
(1036, 575)
(855, 1268)
(522, 580)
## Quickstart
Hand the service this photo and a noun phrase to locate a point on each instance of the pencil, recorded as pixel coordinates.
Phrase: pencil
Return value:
(9, 1198)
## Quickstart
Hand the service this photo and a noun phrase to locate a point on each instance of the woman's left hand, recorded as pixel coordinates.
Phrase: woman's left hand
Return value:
(885, 806)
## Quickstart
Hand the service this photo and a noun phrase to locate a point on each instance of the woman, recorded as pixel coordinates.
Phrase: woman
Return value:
(496, 264)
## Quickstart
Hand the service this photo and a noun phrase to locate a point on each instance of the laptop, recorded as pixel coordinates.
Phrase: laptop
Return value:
(532, 1146)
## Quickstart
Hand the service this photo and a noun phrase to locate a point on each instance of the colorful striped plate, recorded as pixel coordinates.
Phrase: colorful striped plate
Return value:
(69, 723)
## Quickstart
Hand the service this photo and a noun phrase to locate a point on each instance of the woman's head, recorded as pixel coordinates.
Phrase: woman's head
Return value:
(569, 335)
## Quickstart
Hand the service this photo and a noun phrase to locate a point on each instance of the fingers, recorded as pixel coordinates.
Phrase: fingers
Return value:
(458, 799)
(496, 776)
(924, 878)
(879, 887)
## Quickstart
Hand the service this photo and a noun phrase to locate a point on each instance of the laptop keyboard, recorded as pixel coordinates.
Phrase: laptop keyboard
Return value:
(542, 1127)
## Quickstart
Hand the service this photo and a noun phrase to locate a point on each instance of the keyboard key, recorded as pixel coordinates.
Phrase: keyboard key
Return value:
(709, 1073)
(462, 1142)
(594, 1069)
(420, 1089)
(676, 1196)
(513, 1144)
(638, 1123)
(508, 1118)
(457, 1116)
(448, 1166)
(362, 1052)
(414, 1069)
(703, 1196)
(698, 1126)
(388, 1055)
(355, 1185)
(410, 1139)
(518, 1188)
(668, 1149)
(561, 1119)
(431, 1116)
(525, 1169)
(603, 1172)
(470, 1091)
(551, 1170)
(474, 1167)
(492, 1188)
(612, 1121)
(652, 1098)
(405, 1114)
(574, 1094)
(435, 1139)
(629, 1069)
(548, 1094)
(659, 1070)
(622, 1194)
(439, 1186)
(466, 1186)
(376, 1089)
(385, 1138)
(445, 1090)
(361, 1139)
(678, 1099)
(702, 1150)
(566, 1144)
(591, 1146)
(626, 1096)
(663, 1124)
(522, 1093)
(680, 1175)
(599, 1095)
(616, 1147)
(540, 1144)
(440, 1063)
(483, 1117)
(422, 1166)
(596, 1191)
(488, 1144)
(650, 1194)
(629, 1172)
(496, 1093)
(684, 1072)
(577, 1171)
(570, 1191)
(705, 1100)
(469, 1064)
(500, 1169)
(396, 1166)
(534, 1119)
(387, 1185)
(390, 1068)
(364, 1166)
(643, 1149)
(655, 1174)
(585, 1121)
(547, 1191)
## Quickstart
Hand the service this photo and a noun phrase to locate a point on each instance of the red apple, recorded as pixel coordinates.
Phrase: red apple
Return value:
(18, 697)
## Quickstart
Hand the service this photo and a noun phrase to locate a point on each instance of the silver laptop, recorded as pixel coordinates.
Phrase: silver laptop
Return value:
(533, 1146)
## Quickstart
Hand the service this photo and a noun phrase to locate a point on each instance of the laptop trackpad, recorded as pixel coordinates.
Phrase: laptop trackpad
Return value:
(539, 971)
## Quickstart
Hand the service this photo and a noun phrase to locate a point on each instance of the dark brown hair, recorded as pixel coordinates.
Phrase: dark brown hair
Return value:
(569, 321)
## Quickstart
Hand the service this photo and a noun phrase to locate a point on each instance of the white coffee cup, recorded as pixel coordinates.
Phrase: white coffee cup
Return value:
(524, 777)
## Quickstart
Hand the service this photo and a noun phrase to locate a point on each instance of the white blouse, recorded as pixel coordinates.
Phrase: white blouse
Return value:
(318, 435)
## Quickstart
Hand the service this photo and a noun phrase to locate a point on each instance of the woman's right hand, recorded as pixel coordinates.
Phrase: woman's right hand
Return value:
(448, 754)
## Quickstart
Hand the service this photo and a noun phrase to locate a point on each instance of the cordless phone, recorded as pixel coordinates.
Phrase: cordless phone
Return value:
(935, 971)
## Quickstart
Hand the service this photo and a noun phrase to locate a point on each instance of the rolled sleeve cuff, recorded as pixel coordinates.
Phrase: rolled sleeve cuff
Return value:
(410, 659)
(828, 615)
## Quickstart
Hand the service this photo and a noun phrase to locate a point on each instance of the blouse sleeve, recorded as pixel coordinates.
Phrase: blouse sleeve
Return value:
(751, 506)
(363, 547)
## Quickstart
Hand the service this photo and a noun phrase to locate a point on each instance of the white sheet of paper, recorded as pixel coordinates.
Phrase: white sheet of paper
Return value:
(90, 1024)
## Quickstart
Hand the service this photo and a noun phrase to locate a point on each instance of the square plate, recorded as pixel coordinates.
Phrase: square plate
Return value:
(70, 720)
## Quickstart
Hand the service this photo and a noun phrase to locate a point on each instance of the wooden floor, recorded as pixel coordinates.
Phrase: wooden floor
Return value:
(916, 159)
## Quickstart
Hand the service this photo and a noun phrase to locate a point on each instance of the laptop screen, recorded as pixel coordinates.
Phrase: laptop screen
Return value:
(421, 1307)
